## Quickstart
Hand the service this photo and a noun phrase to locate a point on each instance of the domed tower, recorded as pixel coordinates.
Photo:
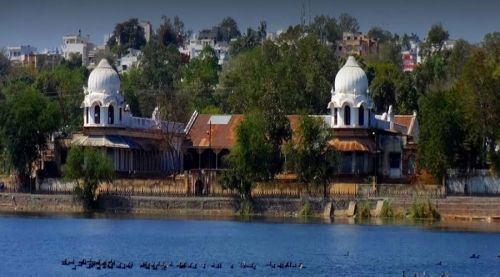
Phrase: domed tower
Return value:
(103, 104)
(351, 105)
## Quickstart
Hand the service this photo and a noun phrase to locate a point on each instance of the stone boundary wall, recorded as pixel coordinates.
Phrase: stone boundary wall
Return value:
(34, 203)
(483, 208)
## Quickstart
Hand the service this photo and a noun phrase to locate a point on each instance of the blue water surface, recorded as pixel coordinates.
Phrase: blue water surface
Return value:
(35, 246)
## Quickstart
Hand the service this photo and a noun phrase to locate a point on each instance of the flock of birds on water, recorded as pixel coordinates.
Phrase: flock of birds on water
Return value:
(99, 264)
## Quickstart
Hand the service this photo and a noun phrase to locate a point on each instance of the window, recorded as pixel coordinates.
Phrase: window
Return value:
(335, 116)
(394, 160)
(97, 115)
(361, 117)
(111, 115)
(120, 114)
(347, 115)
(87, 115)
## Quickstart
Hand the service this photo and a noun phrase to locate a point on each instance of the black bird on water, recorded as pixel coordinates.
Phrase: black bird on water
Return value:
(440, 263)
(474, 256)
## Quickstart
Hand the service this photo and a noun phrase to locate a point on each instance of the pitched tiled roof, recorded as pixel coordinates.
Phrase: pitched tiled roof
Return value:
(403, 120)
(353, 144)
(219, 136)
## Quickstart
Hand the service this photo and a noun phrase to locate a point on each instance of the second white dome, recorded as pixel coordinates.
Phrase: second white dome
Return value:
(351, 78)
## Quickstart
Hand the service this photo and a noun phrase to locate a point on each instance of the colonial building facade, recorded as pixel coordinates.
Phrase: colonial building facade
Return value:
(135, 145)
(369, 144)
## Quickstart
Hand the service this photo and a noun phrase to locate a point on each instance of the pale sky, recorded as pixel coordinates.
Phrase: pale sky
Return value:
(43, 23)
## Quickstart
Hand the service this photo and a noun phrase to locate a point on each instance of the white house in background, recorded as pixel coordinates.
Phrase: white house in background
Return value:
(17, 54)
(196, 44)
(131, 58)
(77, 44)
(135, 145)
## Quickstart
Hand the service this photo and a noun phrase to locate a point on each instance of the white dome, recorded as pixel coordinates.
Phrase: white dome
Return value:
(351, 78)
(104, 79)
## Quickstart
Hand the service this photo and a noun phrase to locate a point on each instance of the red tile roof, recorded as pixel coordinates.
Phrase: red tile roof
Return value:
(404, 121)
(353, 144)
(219, 136)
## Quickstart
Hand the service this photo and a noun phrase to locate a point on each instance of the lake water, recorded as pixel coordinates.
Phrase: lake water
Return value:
(35, 246)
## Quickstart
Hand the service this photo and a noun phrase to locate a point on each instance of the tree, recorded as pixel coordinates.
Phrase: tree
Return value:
(310, 155)
(460, 53)
(199, 78)
(246, 42)
(64, 85)
(380, 34)
(348, 23)
(228, 29)
(300, 72)
(27, 119)
(491, 44)
(277, 128)
(74, 61)
(171, 33)
(179, 28)
(437, 36)
(4, 65)
(326, 28)
(441, 143)
(478, 88)
(406, 94)
(160, 70)
(131, 86)
(249, 159)
(384, 84)
(92, 167)
(128, 34)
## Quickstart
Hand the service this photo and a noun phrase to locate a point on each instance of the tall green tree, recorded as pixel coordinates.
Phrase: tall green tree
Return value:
(299, 71)
(250, 158)
(380, 34)
(160, 69)
(199, 78)
(309, 154)
(171, 32)
(479, 89)
(64, 84)
(27, 118)
(228, 29)
(92, 167)
(384, 85)
(326, 28)
(437, 36)
(348, 23)
(127, 34)
(441, 140)
(4, 65)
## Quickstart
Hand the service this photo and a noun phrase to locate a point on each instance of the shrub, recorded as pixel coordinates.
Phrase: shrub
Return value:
(388, 211)
(363, 209)
(246, 208)
(422, 209)
(305, 211)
